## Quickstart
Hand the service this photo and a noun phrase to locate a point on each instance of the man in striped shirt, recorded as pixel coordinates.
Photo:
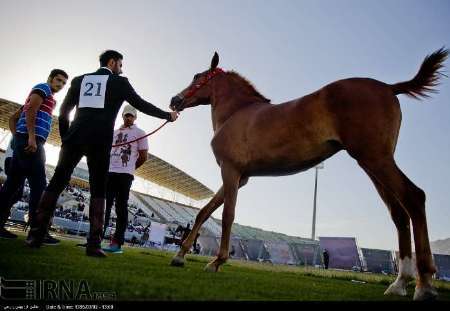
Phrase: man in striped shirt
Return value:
(28, 161)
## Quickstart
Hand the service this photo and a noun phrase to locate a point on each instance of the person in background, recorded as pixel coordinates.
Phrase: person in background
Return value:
(186, 232)
(232, 251)
(31, 126)
(326, 258)
(124, 160)
(196, 245)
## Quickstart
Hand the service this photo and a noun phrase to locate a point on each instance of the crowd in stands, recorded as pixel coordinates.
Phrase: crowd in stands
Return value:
(71, 214)
(73, 206)
(68, 209)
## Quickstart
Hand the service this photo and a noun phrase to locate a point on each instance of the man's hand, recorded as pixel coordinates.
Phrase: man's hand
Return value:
(142, 158)
(32, 146)
(13, 120)
(174, 115)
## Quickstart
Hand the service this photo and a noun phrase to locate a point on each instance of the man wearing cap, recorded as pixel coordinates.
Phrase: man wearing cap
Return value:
(124, 160)
(97, 97)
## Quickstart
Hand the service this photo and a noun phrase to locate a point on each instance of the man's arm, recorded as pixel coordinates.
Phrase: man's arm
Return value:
(140, 104)
(65, 109)
(13, 120)
(30, 117)
(142, 158)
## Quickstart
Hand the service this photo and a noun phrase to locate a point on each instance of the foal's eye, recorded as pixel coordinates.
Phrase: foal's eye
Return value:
(196, 76)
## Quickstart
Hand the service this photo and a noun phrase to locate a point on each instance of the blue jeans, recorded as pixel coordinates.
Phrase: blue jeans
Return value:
(24, 165)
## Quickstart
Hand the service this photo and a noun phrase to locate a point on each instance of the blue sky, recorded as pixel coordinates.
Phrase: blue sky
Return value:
(287, 49)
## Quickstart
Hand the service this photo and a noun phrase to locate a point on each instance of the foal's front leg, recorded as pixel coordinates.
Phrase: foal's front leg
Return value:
(231, 178)
(202, 216)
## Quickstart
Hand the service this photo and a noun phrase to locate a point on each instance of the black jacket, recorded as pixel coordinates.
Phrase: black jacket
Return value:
(95, 125)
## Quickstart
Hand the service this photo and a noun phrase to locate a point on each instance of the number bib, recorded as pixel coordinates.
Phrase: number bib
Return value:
(92, 91)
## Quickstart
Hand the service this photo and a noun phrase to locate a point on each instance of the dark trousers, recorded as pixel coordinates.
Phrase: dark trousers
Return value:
(19, 193)
(23, 166)
(98, 164)
(118, 190)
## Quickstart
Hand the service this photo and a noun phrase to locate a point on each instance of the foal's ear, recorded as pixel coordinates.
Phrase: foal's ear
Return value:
(215, 61)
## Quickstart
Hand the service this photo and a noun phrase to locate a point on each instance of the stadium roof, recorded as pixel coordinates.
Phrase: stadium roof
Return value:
(154, 169)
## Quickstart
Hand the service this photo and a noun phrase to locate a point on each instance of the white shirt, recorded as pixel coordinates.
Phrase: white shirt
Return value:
(107, 69)
(123, 158)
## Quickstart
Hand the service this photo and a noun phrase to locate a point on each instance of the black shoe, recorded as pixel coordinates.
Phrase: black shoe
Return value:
(5, 234)
(49, 240)
(32, 242)
(94, 251)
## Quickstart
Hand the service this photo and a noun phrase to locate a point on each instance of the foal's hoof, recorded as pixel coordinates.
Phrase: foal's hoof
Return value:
(177, 261)
(396, 289)
(211, 267)
(425, 293)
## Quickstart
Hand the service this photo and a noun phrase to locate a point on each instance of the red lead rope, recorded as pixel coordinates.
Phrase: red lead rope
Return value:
(135, 140)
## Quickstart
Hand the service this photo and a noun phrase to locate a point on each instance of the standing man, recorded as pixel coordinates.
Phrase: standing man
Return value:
(28, 160)
(196, 245)
(97, 97)
(124, 160)
(186, 232)
(326, 258)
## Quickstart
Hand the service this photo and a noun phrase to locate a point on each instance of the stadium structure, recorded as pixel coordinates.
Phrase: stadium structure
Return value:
(153, 220)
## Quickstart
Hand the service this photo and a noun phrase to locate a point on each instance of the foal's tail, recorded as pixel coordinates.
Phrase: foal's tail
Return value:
(427, 77)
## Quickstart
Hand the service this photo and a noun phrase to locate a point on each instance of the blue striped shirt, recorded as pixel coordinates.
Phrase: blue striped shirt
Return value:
(43, 122)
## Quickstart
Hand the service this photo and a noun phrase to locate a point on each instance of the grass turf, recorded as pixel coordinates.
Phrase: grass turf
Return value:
(145, 274)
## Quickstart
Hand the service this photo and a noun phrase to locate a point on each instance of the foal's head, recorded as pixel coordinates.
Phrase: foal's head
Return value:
(200, 90)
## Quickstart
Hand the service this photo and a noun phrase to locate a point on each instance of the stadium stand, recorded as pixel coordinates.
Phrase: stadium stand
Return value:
(343, 252)
(280, 253)
(154, 205)
(442, 263)
(255, 250)
(307, 253)
(378, 261)
(209, 245)
(134, 197)
(237, 250)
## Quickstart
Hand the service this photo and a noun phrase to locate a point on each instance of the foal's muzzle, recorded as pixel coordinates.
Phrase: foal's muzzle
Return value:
(176, 104)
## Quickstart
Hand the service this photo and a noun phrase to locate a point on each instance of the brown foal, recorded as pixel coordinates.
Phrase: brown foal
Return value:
(253, 137)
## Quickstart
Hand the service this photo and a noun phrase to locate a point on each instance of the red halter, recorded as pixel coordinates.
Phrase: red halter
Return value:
(211, 74)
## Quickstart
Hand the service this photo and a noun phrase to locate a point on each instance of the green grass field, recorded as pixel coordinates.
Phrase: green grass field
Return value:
(145, 274)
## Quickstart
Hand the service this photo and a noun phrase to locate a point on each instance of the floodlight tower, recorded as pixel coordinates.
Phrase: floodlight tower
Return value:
(313, 234)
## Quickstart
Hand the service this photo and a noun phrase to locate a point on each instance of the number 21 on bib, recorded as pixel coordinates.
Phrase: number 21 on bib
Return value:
(92, 91)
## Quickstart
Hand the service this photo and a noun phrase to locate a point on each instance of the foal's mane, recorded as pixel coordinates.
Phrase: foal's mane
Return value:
(248, 85)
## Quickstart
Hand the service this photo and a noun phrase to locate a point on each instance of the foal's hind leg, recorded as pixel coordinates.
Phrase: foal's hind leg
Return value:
(412, 198)
(402, 223)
